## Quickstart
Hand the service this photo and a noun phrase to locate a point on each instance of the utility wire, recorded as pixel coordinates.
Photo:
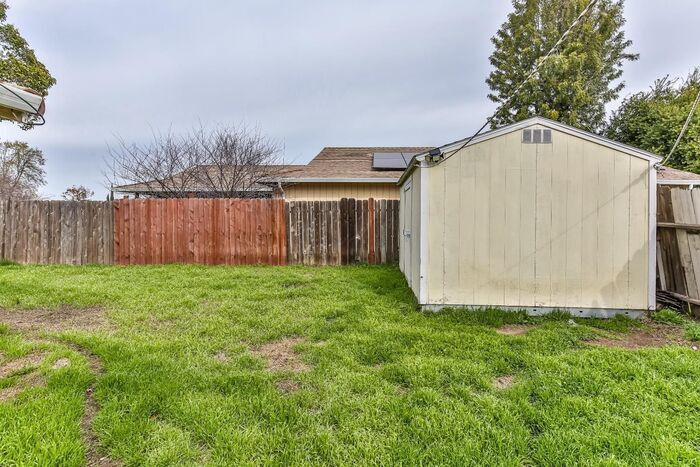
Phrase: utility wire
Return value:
(683, 130)
(561, 40)
(36, 111)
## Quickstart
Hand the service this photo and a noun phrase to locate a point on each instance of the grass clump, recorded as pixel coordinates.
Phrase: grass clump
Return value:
(381, 383)
(668, 316)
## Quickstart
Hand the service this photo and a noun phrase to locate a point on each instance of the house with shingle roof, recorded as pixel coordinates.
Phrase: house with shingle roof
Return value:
(669, 176)
(352, 172)
(335, 173)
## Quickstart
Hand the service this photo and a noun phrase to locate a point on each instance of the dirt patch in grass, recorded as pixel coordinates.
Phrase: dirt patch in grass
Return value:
(514, 329)
(60, 363)
(93, 457)
(504, 382)
(653, 335)
(61, 319)
(222, 357)
(280, 355)
(18, 364)
(30, 380)
(287, 386)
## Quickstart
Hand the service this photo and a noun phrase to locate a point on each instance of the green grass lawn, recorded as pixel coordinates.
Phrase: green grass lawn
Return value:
(184, 381)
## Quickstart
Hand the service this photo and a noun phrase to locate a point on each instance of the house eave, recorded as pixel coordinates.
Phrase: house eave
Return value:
(338, 180)
(678, 182)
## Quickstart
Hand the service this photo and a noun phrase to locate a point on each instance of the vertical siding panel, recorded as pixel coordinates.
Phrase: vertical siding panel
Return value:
(528, 227)
(589, 226)
(481, 225)
(621, 224)
(543, 229)
(513, 173)
(574, 212)
(639, 237)
(436, 235)
(467, 198)
(497, 220)
(559, 185)
(451, 283)
(604, 248)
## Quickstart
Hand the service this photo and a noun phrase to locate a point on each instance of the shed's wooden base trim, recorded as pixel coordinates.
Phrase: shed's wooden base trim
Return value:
(544, 310)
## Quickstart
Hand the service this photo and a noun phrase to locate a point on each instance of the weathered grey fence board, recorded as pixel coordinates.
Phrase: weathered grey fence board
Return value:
(678, 243)
(342, 232)
(56, 232)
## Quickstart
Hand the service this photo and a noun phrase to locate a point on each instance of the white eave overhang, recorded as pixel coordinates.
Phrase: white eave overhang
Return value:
(338, 180)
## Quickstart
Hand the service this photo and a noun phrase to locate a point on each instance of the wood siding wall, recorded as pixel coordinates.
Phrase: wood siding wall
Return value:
(343, 232)
(409, 231)
(56, 232)
(337, 191)
(201, 231)
(539, 225)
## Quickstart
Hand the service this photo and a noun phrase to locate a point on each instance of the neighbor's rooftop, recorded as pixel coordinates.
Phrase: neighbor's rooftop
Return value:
(351, 164)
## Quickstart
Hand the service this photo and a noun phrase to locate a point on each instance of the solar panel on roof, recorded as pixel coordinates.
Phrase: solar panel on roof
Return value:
(391, 160)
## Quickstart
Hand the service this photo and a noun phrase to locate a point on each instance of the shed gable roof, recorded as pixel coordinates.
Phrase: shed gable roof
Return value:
(544, 122)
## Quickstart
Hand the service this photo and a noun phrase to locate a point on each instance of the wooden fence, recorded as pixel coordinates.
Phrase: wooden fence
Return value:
(678, 245)
(343, 232)
(56, 232)
(204, 231)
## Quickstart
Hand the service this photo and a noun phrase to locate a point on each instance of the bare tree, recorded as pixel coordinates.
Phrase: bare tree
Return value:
(224, 162)
(21, 170)
(77, 193)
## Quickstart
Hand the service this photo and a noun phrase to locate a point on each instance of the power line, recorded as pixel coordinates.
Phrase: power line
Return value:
(561, 40)
(683, 130)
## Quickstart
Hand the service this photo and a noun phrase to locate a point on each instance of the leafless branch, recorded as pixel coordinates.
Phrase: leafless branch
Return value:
(227, 162)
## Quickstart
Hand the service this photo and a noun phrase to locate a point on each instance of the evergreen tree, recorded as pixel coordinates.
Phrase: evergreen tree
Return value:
(575, 83)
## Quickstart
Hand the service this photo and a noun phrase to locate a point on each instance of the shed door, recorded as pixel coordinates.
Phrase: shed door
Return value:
(407, 207)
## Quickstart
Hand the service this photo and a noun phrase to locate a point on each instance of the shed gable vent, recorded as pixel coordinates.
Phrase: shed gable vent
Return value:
(537, 136)
(547, 136)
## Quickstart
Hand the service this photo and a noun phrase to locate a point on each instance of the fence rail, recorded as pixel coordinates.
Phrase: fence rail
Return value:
(204, 231)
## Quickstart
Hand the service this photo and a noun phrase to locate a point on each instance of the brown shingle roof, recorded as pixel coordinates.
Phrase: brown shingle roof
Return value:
(667, 174)
(349, 163)
(195, 179)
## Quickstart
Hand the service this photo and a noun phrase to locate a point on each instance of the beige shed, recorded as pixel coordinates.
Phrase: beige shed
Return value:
(534, 216)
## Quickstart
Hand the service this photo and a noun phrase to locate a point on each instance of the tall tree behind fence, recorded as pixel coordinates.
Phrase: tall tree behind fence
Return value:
(203, 231)
(56, 232)
(678, 244)
(343, 232)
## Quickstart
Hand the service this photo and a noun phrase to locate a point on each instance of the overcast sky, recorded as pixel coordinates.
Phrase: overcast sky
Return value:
(310, 73)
